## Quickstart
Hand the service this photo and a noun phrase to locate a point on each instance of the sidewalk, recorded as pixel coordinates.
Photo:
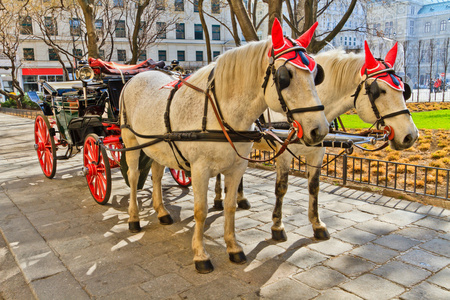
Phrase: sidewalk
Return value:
(57, 243)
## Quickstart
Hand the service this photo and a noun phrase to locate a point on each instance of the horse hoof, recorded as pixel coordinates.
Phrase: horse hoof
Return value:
(218, 204)
(321, 234)
(244, 204)
(204, 266)
(238, 258)
(134, 227)
(279, 235)
(166, 220)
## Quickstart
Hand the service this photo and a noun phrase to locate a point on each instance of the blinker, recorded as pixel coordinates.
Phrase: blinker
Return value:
(283, 77)
(407, 91)
(320, 75)
(374, 89)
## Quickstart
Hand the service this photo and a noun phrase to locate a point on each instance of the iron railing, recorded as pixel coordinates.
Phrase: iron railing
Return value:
(417, 179)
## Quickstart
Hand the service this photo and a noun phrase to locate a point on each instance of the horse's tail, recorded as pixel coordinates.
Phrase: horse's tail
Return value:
(122, 111)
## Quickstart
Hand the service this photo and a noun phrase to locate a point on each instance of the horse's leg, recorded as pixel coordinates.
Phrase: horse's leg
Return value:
(281, 186)
(241, 200)
(315, 159)
(232, 179)
(163, 215)
(218, 202)
(133, 177)
(200, 180)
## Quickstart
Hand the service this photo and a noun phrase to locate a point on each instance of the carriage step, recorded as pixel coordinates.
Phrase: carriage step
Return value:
(62, 157)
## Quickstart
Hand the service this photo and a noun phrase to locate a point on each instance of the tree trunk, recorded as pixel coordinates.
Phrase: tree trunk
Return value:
(245, 23)
(205, 30)
(89, 18)
(275, 7)
(135, 49)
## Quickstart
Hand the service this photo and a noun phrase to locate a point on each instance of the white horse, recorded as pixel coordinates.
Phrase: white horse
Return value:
(238, 76)
(344, 74)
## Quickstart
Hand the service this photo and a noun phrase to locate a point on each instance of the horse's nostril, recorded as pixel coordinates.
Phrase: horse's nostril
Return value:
(315, 134)
(408, 139)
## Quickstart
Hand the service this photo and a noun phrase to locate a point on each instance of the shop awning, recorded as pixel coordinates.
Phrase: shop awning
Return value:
(42, 71)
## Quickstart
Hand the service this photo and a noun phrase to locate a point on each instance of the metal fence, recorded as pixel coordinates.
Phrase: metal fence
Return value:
(417, 179)
(25, 113)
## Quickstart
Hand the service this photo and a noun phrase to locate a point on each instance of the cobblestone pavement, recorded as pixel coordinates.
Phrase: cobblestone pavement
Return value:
(59, 244)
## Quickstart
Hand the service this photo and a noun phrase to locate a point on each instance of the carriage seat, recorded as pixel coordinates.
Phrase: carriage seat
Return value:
(112, 68)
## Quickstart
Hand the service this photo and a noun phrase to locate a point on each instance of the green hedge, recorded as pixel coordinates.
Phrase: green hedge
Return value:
(26, 103)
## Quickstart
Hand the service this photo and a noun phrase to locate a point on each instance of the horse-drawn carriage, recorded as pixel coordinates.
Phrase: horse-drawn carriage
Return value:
(80, 116)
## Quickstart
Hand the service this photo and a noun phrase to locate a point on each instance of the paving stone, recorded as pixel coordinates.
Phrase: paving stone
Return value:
(350, 265)
(374, 253)
(379, 288)
(303, 258)
(357, 216)
(50, 287)
(165, 286)
(424, 259)
(426, 291)
(441, 278)
(375, 209)
(417, 233)
(321, 278)
(334, 294)
(355, 236)
(382, 200)
(289, 289)
(252, 236)
(396, 242)
(337, 223)
(338, 206)
(402, 273)
(222, 289)
(376, 227)
(332, 247)
(434, 223)
(400, 217)
(438, 246)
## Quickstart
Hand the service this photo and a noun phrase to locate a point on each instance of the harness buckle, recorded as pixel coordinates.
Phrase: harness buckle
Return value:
(298, 129)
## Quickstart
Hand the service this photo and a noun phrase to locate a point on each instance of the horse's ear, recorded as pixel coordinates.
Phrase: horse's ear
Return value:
(306, 37)
(391, 56)
(277, 35)
(371, 62)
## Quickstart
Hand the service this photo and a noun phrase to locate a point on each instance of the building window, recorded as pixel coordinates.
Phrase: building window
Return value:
(427, 26)
(143, 55)
(121, 55)
(411, 27)
(180, 31)
(162, 55)
(160, 5)
(30, 83)
(388, 28)
(180, 55)
(198, 55)
(195, 5)
(28, 53)
(215, 6)
(179, 5)
(118, 3)
(161, 30)
(75, 27)
(216, 32)
(52, 54)
(77, 53)
(215, 54)
(443, 26)
(120, 29)
(376, 29)
(26, 26)
(198, 31)
(99, 26)
(51, 26)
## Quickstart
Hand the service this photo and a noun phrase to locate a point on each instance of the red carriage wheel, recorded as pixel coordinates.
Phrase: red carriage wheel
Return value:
(45, 145)
(96, 169)
(115, 156)
(180, 177)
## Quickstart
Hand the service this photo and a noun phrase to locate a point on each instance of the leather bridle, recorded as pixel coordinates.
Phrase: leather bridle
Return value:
(373, 92)
(276, 79)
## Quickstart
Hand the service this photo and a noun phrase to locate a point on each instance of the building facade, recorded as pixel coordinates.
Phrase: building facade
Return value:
(420, 27)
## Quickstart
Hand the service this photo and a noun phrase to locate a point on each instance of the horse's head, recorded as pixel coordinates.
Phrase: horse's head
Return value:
(381, 97)
(295, 75)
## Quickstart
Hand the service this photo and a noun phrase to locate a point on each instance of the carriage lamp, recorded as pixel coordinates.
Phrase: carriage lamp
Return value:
(85, 73)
